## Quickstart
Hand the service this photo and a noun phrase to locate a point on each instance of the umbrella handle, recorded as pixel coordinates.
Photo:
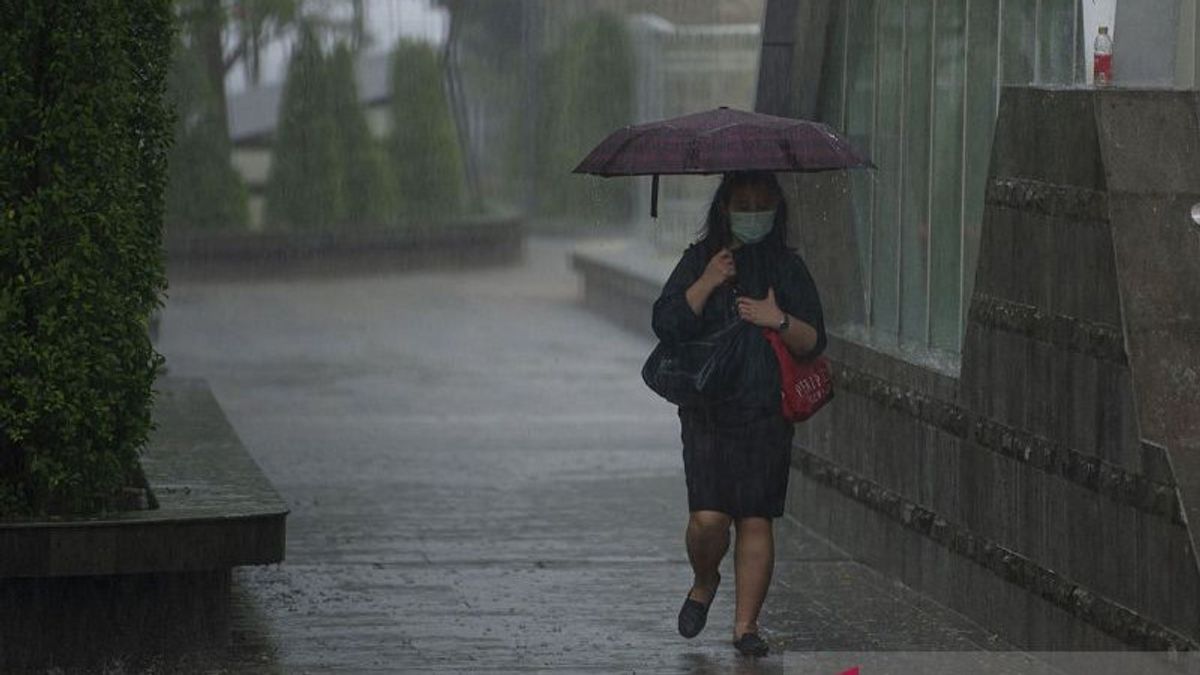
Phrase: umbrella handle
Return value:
(654, 197)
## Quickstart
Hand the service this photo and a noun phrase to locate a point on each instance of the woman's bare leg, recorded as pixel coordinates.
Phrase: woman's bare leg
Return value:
(754, 561)
(707, 541)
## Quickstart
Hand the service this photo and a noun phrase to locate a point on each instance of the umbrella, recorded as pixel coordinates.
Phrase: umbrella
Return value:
(717, 141)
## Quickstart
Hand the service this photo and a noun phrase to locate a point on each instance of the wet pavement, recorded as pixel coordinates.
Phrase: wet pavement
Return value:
(480, 482)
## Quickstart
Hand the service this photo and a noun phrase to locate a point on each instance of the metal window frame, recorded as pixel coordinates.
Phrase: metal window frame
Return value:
(933, 73)
(870, 271)
(962, 181)
(1037, 42)
(903, 173)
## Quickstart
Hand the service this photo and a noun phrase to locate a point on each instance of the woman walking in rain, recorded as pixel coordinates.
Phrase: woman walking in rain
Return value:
(737, 453)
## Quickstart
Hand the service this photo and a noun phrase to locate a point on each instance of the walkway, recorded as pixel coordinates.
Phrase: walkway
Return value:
(479, 481)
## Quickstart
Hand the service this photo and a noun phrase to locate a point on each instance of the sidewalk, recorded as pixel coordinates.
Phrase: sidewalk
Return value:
(480, 482)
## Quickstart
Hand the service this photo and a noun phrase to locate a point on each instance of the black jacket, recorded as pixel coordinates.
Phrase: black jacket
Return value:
(759, 266)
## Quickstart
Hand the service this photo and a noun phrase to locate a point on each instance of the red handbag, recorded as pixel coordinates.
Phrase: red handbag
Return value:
(806, 385)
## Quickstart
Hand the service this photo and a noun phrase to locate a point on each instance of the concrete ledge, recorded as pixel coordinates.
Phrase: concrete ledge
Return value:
(621, 281)
(499, 239)
(216, 509)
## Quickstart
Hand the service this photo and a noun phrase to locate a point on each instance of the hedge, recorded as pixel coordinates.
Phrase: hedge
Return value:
(588, 94)
(85, 137)
(204, 191)
(327, 171)
(370, 197)
(423, 146)
(304, 189)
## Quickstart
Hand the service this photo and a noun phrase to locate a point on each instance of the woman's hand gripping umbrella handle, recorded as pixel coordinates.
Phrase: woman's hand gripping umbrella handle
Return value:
(719, 270)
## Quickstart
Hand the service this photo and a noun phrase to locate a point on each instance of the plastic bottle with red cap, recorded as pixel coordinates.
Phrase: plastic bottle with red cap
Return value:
(1102, 59)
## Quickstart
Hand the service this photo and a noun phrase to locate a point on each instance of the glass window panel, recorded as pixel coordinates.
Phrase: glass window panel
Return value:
(980, 119)
(914, 197)
(889, 108)
(1056, 32)
(918, 90)
(833, 73)
(945, 276)
(1079, 63)
(1017, 36)
(860, 121)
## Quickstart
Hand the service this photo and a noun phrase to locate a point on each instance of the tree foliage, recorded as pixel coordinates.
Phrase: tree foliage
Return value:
(327, 170)
(85, 133)
(370, 199)
(490, 43)
(304, 188)
(423, 145)
(588, 94)
(204, 191)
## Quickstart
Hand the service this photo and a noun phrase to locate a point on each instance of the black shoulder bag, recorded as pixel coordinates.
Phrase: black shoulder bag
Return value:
(696, 372)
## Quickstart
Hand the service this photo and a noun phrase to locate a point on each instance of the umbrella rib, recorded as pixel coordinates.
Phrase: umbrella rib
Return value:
(789, 151)
(625, 143)
(692, 158)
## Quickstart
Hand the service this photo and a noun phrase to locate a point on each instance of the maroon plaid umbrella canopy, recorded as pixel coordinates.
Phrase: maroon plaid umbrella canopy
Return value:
(718, 141)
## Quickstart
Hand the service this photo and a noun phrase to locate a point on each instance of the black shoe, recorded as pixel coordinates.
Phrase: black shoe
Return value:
(694, 613)
(750, 644)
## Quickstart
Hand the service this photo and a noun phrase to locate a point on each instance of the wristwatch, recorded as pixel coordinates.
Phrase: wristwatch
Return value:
(787, 320)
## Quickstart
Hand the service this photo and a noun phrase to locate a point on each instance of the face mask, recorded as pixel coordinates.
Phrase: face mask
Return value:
(751, 226)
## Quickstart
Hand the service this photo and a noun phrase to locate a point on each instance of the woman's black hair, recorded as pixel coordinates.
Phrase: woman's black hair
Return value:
(715, 234)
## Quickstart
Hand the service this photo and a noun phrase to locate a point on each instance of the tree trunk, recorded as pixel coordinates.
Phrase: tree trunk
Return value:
(458, 105)
(207, 31)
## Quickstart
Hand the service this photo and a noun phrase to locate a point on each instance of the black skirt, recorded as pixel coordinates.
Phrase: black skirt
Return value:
(736, 460)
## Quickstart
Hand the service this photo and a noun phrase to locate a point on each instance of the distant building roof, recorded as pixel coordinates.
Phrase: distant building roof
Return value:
(254, 113)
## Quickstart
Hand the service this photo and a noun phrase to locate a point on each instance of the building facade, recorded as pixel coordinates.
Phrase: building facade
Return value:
(1011, 296)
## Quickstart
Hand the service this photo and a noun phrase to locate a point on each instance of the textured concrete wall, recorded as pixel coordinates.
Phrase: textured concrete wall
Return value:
(1039, 492)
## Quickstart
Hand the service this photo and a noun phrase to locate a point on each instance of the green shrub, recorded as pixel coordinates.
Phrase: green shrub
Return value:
(588, 95)
(204, 191)
(369, 196)
(85, 133)
(305, 189)
(328, 172)
(423, 145)
(491, 43)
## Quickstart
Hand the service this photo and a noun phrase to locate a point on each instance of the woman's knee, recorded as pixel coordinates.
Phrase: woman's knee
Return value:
(710, 521)
(753, 525)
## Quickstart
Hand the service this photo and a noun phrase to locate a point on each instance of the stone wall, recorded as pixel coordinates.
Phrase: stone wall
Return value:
(1043, 491)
